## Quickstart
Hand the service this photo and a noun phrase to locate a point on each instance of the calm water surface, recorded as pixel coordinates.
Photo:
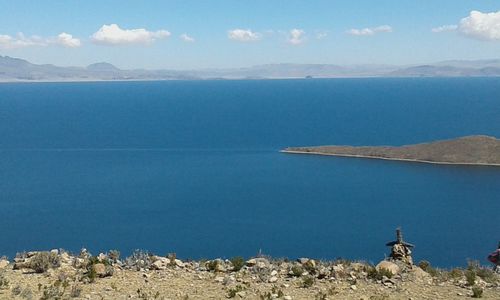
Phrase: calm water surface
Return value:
(193, 167)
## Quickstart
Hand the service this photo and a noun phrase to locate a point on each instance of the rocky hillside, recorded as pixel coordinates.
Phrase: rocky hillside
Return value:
(60, 275)
(479, 149)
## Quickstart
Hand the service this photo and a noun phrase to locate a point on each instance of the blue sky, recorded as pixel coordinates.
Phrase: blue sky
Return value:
(232, 33)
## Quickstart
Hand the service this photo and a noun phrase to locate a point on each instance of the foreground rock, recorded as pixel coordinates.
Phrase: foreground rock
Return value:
(146, 276)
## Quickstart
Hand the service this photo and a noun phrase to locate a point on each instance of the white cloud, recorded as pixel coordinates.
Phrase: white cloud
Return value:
(113, 35)
(67, 40)
(484, 26)
(243, 35)
(21, 41)
(296, 36)
(187, 38)
(444, 28)
(370, 31)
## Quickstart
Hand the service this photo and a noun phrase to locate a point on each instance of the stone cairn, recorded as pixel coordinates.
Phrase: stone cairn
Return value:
(401, 250)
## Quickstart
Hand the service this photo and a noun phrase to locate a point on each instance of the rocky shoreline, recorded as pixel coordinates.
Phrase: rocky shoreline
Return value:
(476, 150)
(57, 274)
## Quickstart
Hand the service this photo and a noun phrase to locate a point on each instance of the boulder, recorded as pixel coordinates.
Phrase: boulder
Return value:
(419, 275)
(159, 265)
(390, 266)
(4, 263)
(259, 262)
(102, 270)
(179, 263)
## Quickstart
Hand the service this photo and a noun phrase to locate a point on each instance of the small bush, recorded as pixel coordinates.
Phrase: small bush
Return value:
(486, 274)
(52, 292)
(4, 283)
(213, 265)
(238, 263)
(75, 291)
(470, 277)
(114, 255)
(297, 270)
(171, 258)
(433, 272)
(231, 293)
(43, 261)
(477, 292)
(385, 272)
(307, 281)
(16, 290)
(278, 292)
(456, 273)
(424, 265)
(139, 260)
(375, 274)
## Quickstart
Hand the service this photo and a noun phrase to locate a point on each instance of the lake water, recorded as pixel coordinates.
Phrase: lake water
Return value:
(193, 167)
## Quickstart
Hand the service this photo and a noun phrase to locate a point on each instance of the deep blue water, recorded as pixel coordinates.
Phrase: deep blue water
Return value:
(193, 167)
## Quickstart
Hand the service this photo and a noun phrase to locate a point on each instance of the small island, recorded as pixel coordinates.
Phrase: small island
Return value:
(468, 150)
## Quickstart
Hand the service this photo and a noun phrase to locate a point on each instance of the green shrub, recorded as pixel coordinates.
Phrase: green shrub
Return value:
(307, 281)
(114, 255)
(43, 261)
(171, 259)
(456, 273)
(238, 263)
(297, 270)
(4, 282)
(75, 291)
(51, 292)
(477, 292)
(470, 277)
(486, 274)
(375, 274)
(424, 265)
(278, 292)
(385, 272)
(212, 265)
(139, 259)
(231, 293)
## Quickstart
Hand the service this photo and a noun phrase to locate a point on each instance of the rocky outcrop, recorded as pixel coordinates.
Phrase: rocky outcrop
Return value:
(147, 276)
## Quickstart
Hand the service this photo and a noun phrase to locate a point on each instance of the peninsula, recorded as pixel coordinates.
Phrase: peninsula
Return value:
(468, 150)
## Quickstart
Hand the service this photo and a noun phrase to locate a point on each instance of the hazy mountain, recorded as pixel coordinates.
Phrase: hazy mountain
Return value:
(15, 69)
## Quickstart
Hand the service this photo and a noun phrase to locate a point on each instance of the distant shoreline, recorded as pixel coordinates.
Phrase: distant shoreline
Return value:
(388, 158)
(239, 79)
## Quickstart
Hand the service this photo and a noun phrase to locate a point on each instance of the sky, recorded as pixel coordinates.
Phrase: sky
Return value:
(194, 34)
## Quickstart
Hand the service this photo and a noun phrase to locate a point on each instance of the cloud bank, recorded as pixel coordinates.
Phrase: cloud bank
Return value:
(113, 35)
(370, 31)
(243, 35)
(21, 41)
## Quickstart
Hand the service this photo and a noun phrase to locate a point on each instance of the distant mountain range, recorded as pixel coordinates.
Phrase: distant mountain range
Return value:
(15, 69)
